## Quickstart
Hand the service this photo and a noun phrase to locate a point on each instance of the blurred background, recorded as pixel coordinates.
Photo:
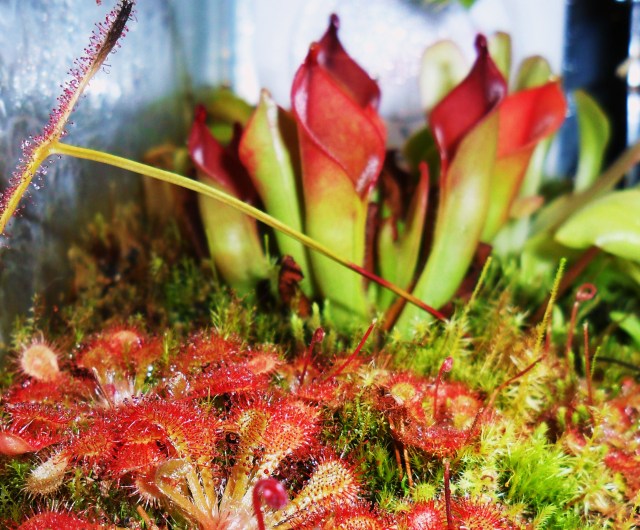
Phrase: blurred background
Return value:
(176, 46)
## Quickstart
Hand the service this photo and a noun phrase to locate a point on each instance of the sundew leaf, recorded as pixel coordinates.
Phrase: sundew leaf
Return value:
(594, 134)
(36, 151)
(611, 223)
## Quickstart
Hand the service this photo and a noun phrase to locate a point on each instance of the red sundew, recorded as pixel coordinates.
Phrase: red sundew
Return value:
(441, 441)
(28, 414)
(146, 487)
(426, 516)
(469, 515)
(356, 517)
(406, 391)
(293, 428)
(353, 356)
(206, 349)
(66, 390)
(457, 404)
(446, 366)
(465, 515)
(60, 521)
(263, 363)
(126, 338)
(270, 431)
(584, 293)
(103, 40)
(95, 443)
(133, 457)
(248, 421)
(309, 383)
(138, 435)
(626, 409)
(407, 397)
(102, 357)
(40, 361)
(144, 356)
(447, 493)
(185, 429)
(14, 445)
(457, 418)
(33, 426)
(333, 483)
(125, 351)
(119, 365)
(280, 427)
(120, 360)
(318, 337)
(331, 394)
(226, 379)
(628, 465)
(406, 387)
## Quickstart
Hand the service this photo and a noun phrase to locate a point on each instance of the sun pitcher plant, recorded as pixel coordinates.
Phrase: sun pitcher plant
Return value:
(342, 146)
(485, 139)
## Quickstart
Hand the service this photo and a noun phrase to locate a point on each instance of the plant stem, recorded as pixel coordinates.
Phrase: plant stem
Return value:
(179, 180)
(447, 493)
(587, 365)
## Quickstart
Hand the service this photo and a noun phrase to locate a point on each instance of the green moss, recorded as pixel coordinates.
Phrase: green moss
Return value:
(538, 473)
(13, 497)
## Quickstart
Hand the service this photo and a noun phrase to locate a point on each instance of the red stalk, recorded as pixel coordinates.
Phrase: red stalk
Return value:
(384, 283)
(446, 366)
(447, 493)
(585, 292)
(272, 493)
(318, 337)
(587, 364)
(356, 351)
